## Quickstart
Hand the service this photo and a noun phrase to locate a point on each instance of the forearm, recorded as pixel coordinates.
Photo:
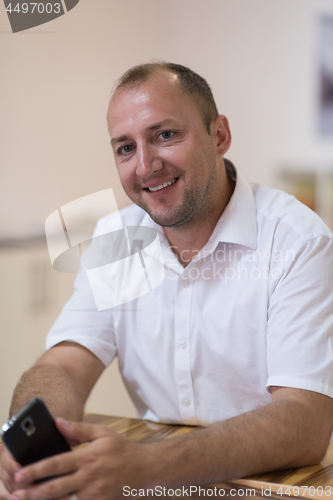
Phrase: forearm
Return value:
(54, 385)
(276, 436)
(282, 434)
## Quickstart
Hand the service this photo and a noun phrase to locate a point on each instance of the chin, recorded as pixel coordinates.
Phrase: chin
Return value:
(176, 216)
(167, 221)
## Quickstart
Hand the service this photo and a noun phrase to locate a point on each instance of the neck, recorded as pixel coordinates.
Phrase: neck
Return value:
(187, 241)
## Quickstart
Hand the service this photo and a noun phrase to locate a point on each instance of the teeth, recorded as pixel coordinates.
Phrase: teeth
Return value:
(161, 186)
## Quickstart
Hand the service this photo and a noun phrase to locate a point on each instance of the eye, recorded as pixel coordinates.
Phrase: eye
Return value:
(167, 134)
(126, 149)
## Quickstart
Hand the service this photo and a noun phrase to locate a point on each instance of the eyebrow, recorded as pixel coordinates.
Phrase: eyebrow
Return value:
(156, 126)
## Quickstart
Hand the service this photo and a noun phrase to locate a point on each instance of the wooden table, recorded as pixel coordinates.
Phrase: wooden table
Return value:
(315, 482)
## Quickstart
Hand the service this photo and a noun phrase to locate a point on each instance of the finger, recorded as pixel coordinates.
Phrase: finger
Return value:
(8, 481)
(4, 493)
(53, 489)
(7, 460)
(8, 467)
(79, 432)
(73, 442)
(58, 465)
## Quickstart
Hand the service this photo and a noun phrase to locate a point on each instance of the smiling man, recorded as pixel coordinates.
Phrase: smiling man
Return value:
(238, 337)
(166, 150)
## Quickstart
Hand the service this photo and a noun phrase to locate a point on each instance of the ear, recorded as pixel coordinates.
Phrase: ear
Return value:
(222, 134)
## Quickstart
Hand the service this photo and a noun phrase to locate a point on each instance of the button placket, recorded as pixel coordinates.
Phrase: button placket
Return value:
(186, 283)
(182, 351)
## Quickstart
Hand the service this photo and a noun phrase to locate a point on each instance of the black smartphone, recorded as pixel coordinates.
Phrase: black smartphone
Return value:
(32, 435)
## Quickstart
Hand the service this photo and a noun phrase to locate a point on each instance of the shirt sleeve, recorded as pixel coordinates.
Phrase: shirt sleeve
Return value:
(300, 319)
(81, 322)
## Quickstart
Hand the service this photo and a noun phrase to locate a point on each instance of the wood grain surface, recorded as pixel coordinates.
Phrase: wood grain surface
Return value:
(315, 482)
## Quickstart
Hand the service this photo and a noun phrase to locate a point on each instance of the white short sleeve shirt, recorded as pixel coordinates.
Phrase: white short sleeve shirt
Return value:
(254, 309)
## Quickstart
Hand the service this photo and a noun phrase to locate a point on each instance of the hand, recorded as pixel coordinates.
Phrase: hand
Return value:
(4, 493)
(8, 467)
(98, 470)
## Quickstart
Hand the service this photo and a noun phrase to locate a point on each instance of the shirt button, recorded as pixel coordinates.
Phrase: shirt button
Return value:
(186, 283)
(186, 402)
(182, 344)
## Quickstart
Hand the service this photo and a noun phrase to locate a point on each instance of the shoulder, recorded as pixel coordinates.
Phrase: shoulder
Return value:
(275, 208)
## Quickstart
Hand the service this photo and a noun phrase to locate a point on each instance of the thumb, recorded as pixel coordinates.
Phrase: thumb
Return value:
(76, 432)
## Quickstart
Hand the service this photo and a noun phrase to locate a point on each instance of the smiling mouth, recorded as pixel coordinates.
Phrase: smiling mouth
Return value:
(162, 186)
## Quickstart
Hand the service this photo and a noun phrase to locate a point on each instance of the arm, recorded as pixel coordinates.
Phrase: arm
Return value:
(292, 431)
(63, 377)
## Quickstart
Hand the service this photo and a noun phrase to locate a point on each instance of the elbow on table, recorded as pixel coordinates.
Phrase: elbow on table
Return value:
(315, 450)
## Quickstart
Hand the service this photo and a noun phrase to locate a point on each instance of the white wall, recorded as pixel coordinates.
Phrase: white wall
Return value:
(259, 57)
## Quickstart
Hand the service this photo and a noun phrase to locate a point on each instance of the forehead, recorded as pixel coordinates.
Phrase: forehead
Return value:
(157, 99)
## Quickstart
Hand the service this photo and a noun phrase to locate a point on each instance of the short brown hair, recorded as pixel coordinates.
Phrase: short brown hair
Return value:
(190, 82)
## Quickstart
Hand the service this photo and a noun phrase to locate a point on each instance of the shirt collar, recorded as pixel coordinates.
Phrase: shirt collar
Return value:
(238, 223)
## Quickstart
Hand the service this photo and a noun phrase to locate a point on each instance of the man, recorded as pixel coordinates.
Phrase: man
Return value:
(242, 344)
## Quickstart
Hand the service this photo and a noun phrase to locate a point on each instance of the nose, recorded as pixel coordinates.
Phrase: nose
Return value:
(147, 160)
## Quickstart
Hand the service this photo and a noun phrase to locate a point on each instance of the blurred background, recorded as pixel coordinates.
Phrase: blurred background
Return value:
(270, 66)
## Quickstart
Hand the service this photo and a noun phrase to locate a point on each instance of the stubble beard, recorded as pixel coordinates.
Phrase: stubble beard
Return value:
(179, 215)
(196, 204)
